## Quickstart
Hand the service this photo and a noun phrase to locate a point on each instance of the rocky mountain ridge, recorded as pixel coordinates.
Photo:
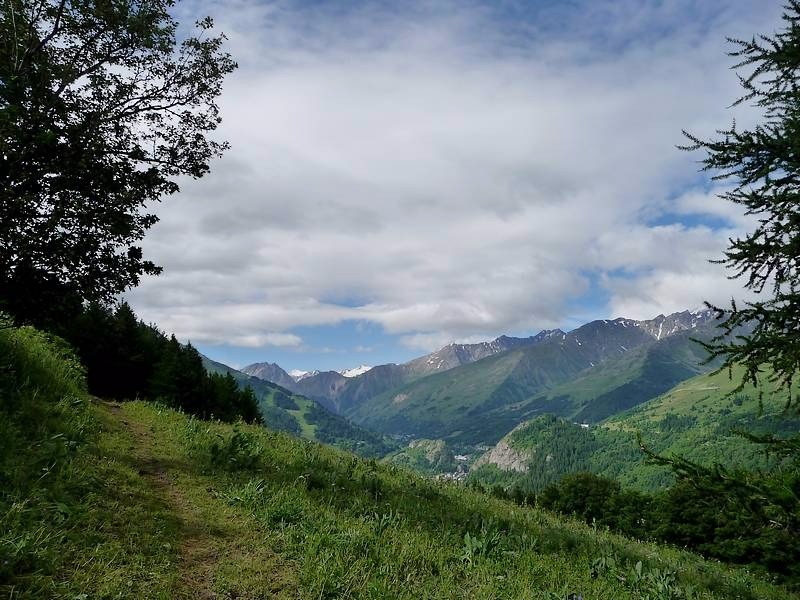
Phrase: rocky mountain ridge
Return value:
(561, 355)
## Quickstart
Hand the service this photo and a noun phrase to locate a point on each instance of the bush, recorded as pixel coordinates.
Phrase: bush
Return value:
(241, 451)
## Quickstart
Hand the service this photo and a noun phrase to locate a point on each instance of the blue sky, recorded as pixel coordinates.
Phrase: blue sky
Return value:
(406, 175)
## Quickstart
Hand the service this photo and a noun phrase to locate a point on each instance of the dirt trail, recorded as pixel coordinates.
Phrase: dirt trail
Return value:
(198, 549)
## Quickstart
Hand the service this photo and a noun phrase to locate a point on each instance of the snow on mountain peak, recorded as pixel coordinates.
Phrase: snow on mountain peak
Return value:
(298, 375)
(356, 371)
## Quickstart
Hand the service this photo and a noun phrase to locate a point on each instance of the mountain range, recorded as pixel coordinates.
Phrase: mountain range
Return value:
(473, 394)
(340, 392)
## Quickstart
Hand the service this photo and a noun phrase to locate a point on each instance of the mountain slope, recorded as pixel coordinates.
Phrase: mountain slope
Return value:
(343, 393)
(627, 380)
(695, 419)
(285, 411)
(481, 401)
(272, 373)
(456, 355)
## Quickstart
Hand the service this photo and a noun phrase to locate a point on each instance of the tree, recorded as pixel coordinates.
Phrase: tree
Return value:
(764, 164)
(583, 494)
(101, 108)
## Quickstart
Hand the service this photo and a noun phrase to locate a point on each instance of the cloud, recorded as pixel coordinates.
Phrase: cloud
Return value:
(447, 171)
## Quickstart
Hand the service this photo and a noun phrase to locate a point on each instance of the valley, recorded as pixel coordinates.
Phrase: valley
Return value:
(470, 396)
(523, 412)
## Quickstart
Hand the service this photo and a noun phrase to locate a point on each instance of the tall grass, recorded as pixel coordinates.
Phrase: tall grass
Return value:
(44, 424)
(76, 520)
(356, 528)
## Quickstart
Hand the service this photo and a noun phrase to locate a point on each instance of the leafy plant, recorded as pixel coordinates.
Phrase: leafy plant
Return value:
(241, 451)
(480, 545)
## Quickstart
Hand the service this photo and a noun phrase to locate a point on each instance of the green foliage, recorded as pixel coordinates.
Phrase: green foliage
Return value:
(280, 419)
(480, 545)
(735, 515)
(764, 168)
(425, 456)
(599, 501)
(649, 583)
(581, 494)
(126, 359)
(554, 447)
(100, 110)
(237, 452)
(285, 401)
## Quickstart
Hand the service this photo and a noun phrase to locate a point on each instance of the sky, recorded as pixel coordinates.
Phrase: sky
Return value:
(406, 175)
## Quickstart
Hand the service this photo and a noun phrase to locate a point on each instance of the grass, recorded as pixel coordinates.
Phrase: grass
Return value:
(347, 527)
(307, 430)
(67, 499)
(138, 501)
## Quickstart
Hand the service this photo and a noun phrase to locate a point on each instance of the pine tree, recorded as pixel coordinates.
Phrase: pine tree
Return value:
(764, 165)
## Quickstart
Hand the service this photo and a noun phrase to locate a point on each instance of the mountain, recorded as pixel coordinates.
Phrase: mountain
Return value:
(286, 411)
(271, 372)
(347, 393)
(479, 402)
(341, 392)
(456, 355)
(298, 374)
(695, 419)
(627, 380)
(443, 395)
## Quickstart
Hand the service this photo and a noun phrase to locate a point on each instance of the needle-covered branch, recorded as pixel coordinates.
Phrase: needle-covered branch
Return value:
(763, 164)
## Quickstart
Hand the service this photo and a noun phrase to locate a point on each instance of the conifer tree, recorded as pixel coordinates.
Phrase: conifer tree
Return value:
(763, 163)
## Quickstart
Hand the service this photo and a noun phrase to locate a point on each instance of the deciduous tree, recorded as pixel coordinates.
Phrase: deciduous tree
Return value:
(101, 108)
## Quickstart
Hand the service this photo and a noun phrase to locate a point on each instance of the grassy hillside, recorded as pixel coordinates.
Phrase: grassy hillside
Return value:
(284, 411)
(696, 419)
(138, 501)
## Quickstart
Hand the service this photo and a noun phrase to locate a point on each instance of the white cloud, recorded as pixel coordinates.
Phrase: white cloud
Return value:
(396, 167)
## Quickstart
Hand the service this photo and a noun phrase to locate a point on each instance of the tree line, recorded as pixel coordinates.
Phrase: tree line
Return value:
(126, 359)
(743, 518)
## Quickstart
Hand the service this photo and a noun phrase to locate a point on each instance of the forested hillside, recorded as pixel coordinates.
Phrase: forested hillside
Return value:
(594, 371)
(698, 419)
(682, 468)
(284, 411)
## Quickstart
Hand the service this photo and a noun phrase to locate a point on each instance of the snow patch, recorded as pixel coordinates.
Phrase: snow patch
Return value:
(360, 370)
(298, 375)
